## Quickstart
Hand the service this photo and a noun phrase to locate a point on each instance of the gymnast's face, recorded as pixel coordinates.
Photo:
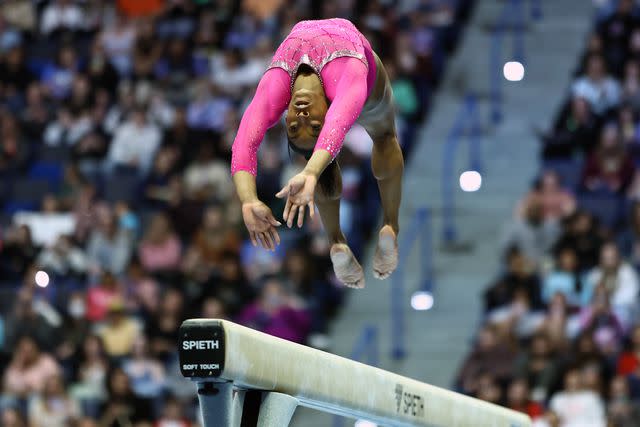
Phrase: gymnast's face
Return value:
(305, 117)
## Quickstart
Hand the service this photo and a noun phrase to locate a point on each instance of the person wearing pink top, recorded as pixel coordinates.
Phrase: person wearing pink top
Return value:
(326, 77)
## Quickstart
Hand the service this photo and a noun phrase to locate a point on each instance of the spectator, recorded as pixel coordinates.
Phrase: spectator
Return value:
(64, 258)
(11, 417)
(531, 234)
(62, 15)
(29, 369)
(556, 203)
(581, 234)
(629, 238)
(160, 249)
(136, 156)
(564, 279)
(53, 408)
(172, 415)
(608, 168)
(518, 399)
(162, 329)
(619, 280)
(491, 355)
(109, 247)
(120, 332)
(123, 407)
(596, 86)
(629, 361)
(277, 313)
(102, 296)
(146, 375)
(92, 374)
(539, 366)
(576, 406)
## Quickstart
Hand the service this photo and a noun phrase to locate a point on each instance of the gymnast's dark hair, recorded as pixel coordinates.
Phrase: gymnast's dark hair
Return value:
(328, 178)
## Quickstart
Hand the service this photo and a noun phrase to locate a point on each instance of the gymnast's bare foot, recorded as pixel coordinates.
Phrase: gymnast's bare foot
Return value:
(346, 266)
(385, 260)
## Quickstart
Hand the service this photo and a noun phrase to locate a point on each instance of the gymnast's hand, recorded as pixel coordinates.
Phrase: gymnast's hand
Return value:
(261, 224)
(299, 192)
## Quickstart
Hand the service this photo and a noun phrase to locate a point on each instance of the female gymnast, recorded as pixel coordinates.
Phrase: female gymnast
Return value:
(326, 77)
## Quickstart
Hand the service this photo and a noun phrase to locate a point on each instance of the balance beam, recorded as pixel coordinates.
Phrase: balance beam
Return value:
(225, 359)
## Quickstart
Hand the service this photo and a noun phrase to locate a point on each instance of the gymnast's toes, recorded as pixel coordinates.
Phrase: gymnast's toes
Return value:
(346, 266)
(385, 260)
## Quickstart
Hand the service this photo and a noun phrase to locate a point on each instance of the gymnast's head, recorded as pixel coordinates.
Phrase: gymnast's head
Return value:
(307, 108)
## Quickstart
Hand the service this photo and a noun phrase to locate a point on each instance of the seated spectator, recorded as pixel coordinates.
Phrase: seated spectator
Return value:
(160, 248)
(123, 407)
(596, 86)
(143, 291)
(518, 399)
(277, 313)
(208, 177)
(491, 355)
(102, 296)
(57, 78)
(163, 327)
(520, 276)
(64, 258)
(109, 247)
(36, 113)
(608, 167)
(12, 417)
(118, 40)
(631, 85)
(27, 318)
(532, 234)
(138, 156)
(89, 388)
(156, 186)
(575, 132)
(14, 148)
(29, 369)
(564, 278)
(629, 360)
(576, 406)
(623, 410)
(489, 390)
(539, 365)
(18, 251)
(53, 407)
(15, 75)
(62, 15)
(207, 111)
(581, 234)
(146, 375)
(629, 237)
(213, 239)
(120, 332)
(173, 415)
(619, 280)
(146, 50)
(556, 203)
(602, 322)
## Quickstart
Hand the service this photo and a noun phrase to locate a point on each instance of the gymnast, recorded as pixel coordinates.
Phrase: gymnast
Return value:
(326, 77)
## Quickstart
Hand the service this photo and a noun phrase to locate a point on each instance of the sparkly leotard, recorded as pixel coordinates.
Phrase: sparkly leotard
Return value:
(344, 61)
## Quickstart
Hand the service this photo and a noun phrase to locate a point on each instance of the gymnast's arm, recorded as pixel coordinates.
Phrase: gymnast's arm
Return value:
(264, 111)
(268, 104)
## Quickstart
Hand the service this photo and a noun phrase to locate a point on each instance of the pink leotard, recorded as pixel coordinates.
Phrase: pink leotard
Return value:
(343, 59)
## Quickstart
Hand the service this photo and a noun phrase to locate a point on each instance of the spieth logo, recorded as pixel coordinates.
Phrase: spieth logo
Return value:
(409, 403)
(398, 396)
(201, 345)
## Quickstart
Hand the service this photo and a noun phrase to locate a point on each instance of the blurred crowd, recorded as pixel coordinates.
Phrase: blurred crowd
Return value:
(560, 338)
(116, 124)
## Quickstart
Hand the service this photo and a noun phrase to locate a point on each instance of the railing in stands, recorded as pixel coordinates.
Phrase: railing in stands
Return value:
(419, 229)
(467, 122)
(366, 349)
(513, 18)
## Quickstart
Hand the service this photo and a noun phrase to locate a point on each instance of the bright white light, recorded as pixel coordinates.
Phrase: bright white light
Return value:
(42, 279)
(470, 181)
(364, 423)
(421, 301)
(513, 71)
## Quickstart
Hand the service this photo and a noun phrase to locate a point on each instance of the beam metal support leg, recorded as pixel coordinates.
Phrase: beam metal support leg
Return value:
(276, 410)
(220, 405)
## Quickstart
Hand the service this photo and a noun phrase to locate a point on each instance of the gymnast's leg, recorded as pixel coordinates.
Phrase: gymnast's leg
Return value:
(387, 164)
(327, 198)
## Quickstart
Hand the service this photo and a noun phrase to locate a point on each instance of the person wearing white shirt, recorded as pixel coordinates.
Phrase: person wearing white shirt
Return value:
(577, 406)
(62, 14)
(620, 280)
(135, 143)
(602, 91)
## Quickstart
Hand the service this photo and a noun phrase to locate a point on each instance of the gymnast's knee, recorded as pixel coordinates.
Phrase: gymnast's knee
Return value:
(386, 160)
